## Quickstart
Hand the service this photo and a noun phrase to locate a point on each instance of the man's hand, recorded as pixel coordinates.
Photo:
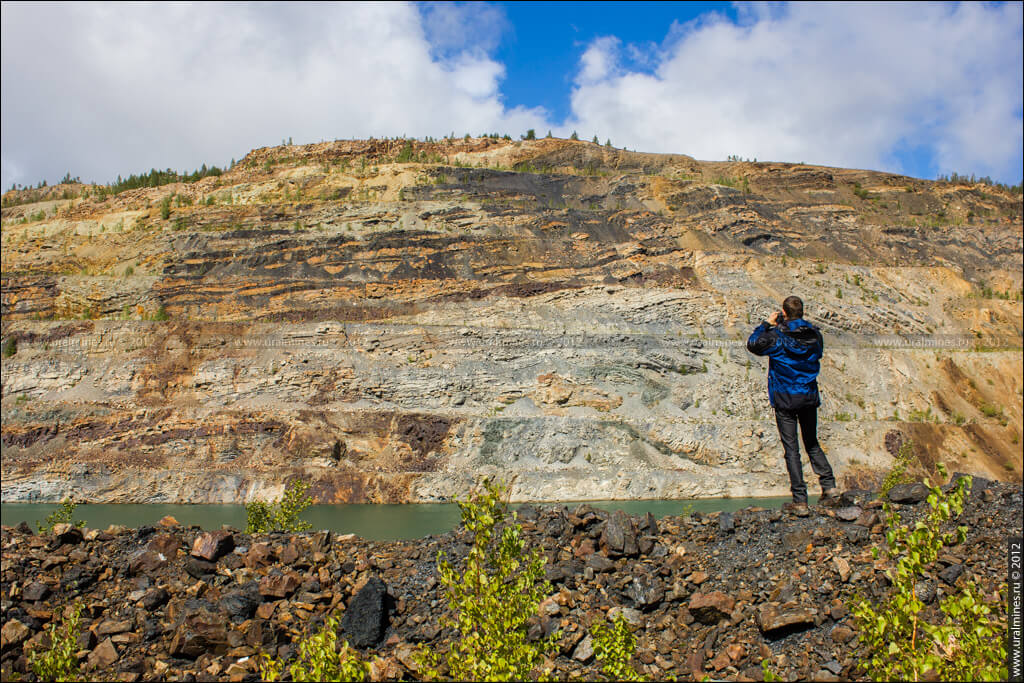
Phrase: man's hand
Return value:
(773, 319)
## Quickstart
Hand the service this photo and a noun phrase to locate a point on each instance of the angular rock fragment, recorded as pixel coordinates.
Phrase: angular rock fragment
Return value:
(241, 604)
(103, 655)
(199, 568)
(36, 591)
(212, 545)
(279, 584)
(154, 598)
(165, 544)
(774, 621)
(13, 633)
(908, 493)
(366, 618)
(259, 555)
(848, 514)
(67, 534)
(600, 563)
(950, 574)
(584, 651)
(145, 561)
(646, 592)
(710, 608)
(619, 536)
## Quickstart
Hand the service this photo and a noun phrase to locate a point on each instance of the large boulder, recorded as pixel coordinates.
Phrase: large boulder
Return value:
(366, 618)
(619, 536)
(908, 493)
(241, 604)
(212, 545)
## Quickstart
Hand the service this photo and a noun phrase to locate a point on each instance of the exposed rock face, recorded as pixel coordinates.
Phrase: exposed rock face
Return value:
(699, 600)
(569, 314)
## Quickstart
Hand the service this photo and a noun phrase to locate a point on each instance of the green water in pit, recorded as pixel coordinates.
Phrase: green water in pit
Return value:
(370, 521)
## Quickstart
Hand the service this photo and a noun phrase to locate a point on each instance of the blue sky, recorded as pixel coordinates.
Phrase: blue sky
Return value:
(102, 89)
(549, 39)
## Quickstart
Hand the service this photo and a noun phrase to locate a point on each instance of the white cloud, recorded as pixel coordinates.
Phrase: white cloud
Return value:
(600, 61)
(108, 89)
(839, 84)
(115, 88)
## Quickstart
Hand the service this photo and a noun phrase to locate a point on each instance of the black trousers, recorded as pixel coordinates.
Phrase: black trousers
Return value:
(808, 419)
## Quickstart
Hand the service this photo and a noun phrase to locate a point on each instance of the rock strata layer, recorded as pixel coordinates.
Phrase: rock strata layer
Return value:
(389, 322)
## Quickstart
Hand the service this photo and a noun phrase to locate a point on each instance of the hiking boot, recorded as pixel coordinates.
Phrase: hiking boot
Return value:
(798, 509)
(829, 497)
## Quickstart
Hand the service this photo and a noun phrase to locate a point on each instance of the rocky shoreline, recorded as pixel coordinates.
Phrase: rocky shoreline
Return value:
(708, 595)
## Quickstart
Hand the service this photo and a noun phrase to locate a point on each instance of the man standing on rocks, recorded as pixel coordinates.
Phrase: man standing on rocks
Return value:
(794, 347)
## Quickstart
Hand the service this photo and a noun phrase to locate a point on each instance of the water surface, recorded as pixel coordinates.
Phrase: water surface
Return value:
(370, 521)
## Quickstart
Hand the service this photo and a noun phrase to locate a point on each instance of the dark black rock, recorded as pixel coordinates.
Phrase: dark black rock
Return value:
(77, 578)
(951, 573)
(649, 525)
(908, 493)
(619, 536)
(600, 563)
(855, 497)
(727, 522)
(154, 598)
(856, 534)
(366, 618)
(241, 604)
(198, 568)
(144, 532)
(69, 535)
(152, 630)
(35, 591)
(646, 592)
(24, 528)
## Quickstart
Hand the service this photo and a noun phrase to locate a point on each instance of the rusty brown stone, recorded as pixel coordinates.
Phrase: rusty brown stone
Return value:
(103, 655)
(212, 545)
(278, 585)
(167, 544)
(259, 555)
(710, 608)
(772, 619)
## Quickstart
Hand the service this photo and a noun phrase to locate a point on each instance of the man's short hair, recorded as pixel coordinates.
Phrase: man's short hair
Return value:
(793, 307)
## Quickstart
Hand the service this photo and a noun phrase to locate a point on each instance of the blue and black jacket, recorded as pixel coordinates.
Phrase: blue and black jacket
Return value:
(794, 350)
